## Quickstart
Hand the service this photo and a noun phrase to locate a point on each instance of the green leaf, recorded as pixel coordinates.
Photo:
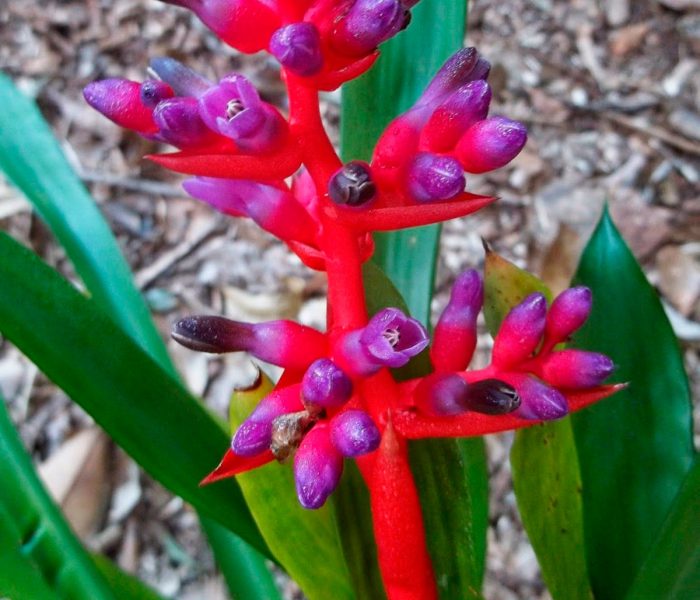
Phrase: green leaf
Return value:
(126, 586)
(38, 551)
(672, 566)
(636, 447)
(544, 463)
(306, 542)
(118, 384)
(32, 160)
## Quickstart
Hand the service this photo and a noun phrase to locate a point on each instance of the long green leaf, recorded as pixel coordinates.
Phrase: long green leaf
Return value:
(125, 586)
(305, 541)
(34, 537)
(32, 160)
(636, 447)
(544, 463)
(672, 567)
(150, 414)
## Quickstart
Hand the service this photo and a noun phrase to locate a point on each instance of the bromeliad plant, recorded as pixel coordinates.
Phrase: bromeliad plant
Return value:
(374, 384)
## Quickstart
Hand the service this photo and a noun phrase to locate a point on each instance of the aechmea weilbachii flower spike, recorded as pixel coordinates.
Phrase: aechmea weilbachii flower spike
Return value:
(354, 433)
(324, 386)
(244, 24)
(283, 343)
(298, 48)
(274, 208)
(390, 339)
(454, 338)
(318, 466)
(520, 332)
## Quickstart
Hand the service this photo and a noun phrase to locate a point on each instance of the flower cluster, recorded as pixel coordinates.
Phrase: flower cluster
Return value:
(337, 397)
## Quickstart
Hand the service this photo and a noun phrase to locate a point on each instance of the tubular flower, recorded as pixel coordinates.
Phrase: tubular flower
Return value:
(338, 398)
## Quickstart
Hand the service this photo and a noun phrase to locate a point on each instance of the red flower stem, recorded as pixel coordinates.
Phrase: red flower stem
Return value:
(404, 561)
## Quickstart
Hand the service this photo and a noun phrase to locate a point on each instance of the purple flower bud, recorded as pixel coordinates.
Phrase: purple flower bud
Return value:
(120, 101)
(490, 144)
(325, 385)
(298, 48)
(233, 108)
(352, 185)
(183, 80)
(275, 210)
(179, 123)
(454, 338)
(468, 105)
(432, 178)
(459, 69)
(317, 468)
(538, 400)
(283, 343)
(491, 397)
(354, 433)
(441, 395)
(568, 312)
(255, 433)
(367, 24)
(520, 332)
(390, 339)
(576, 369)
(153, 91)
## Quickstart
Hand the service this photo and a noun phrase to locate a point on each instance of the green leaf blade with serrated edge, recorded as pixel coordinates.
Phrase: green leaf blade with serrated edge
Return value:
(636, 447)
(544, 463)
(141, 407)
(305, 541)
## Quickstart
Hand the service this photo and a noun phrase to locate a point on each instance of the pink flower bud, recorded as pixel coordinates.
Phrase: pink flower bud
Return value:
(317, 467)
(454, 338)
(490, 144)
(520, 333)
(120, 101)
(298, 48)
(354, 433)
(441, 395)
(538, 401)
(367, 24)
(461, 68)
(568, 312)
(283, 343)
(576, 369)
(325, 385)
(434, 178)
(255, 433)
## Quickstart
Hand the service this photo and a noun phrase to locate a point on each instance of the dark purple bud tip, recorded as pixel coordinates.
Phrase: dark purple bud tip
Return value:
(251, 438)
(432, 178)
(353, 433)
(298, 48)
(325, 385)
(367, 24)
(287, 432)
(468, 291)
(212, 334)
(441, 395)
(491, 144)
(568, 312)
(154, 91)
(352, 185)
(491, 397)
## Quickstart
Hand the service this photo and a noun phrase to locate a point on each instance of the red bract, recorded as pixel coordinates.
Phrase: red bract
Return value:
(337, 397)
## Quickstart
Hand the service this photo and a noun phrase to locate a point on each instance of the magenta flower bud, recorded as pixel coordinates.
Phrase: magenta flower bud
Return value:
(568, 312)
(183, 80)
(298, 48)
(233, 108)
(576, 369)
(352, 185)
(490, 144)
(275, 210)
(120, 101)
(538, 401)
(390, 339)
(459, 69)
(468, 105)
(244, 24)
(179, 123)
(520, 332)
(367, 24)
(317, 468)
(441, 395)
(325, 385)
(432, 178)
(153, 91)
(354, 433)
(255, 433)
(283, 343)
(454, 338)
